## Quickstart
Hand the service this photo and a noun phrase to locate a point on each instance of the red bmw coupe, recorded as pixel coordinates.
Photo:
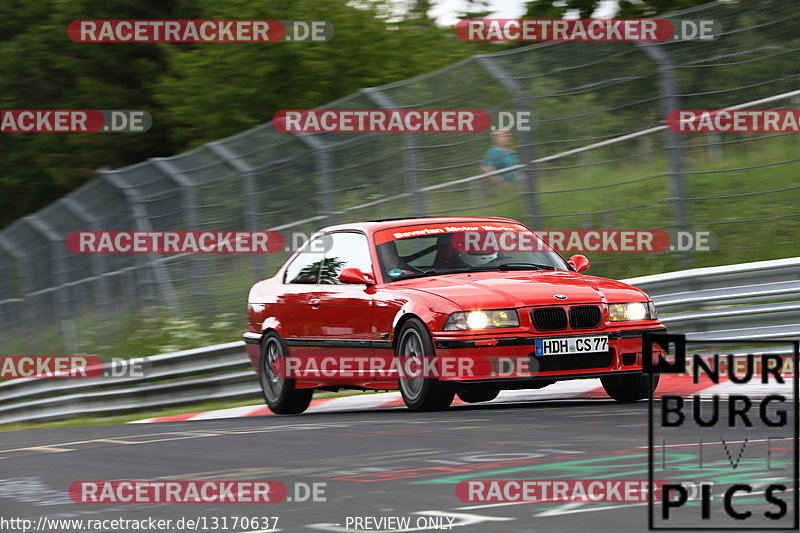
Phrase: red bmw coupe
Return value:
(438, 307)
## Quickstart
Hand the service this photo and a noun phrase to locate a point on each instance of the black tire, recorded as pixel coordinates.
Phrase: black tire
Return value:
(420, 393)
(478, 395)
(279, 392)
(629, 388)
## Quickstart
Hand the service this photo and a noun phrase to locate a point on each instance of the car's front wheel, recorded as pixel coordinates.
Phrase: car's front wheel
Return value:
(279, 391)
(629, 388)
(420, 391)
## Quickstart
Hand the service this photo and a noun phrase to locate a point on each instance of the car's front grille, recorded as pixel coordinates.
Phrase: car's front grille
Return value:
(584, 316)
(549, 319)
(551, 363)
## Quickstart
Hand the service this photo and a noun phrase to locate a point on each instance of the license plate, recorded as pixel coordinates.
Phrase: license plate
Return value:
(571, 345)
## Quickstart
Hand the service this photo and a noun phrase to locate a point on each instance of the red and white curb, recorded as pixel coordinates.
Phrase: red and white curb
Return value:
(579, 389)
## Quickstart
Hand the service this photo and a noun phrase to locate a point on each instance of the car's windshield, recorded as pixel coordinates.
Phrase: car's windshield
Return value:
(437, 249)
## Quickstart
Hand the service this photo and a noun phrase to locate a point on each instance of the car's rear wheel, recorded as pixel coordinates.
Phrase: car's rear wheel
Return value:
(279, 392)
(629, 388)
(419, 391)
(477, 395)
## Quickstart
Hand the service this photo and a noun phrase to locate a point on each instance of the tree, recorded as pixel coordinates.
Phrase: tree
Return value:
(626, 9)
(476, 9)
(194, 92)
(43, 69)
(212, 91)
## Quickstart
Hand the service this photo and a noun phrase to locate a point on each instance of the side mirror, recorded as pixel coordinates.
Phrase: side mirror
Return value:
(579, 262)
(354, 276)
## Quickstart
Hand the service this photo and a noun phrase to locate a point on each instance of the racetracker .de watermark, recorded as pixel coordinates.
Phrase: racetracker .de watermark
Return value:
(194, 491)
(74, 121)
(71, 366)
(554, 490)
(381, 120)
(179, 242)
(734, 120)
(574, 241)
(600, 30)
(199, 31)
(475, 366)
(322, 366)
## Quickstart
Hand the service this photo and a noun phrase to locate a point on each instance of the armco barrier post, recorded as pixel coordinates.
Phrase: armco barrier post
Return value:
(519, 97)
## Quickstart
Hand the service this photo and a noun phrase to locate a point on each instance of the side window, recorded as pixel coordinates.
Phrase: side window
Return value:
(306, 266)
(345, 250)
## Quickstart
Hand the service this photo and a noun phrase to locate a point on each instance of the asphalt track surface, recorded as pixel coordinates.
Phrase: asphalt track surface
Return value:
(374, 464)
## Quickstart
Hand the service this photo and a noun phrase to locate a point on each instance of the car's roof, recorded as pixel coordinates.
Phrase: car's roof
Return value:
(377, 225)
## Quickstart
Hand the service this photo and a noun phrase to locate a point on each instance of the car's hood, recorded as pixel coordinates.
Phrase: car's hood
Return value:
(487, 290)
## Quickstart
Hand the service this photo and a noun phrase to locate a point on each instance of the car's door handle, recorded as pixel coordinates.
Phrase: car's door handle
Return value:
(314, 302)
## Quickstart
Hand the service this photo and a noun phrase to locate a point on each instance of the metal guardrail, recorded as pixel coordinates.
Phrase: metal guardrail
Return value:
(758, 300)
(216, 372)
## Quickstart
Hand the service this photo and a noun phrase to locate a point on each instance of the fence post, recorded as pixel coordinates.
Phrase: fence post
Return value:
(57, 250)
(247, 174)
(5, 317)
(519, 97)
(417, 203)
(98, 261)
(160, 274)
(189, 207)
(322, 162)
(674, 145)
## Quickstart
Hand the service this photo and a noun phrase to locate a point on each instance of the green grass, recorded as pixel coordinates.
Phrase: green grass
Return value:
(604, 205)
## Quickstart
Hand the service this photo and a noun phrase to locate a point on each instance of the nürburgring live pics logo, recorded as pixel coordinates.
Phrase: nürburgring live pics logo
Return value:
(729, 462)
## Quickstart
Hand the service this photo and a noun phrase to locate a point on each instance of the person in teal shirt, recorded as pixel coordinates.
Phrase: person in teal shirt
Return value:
(501, 155)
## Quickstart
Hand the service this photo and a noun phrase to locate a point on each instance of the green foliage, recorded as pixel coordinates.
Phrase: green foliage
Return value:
(194, 92)
(43, 69)
(476, 9)
(213, 91)
(156, 331)
(627, 9)
(163, 335)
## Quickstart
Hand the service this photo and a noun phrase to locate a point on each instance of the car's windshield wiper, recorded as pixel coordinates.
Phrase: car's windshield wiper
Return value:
(525, 266)
(513, 266)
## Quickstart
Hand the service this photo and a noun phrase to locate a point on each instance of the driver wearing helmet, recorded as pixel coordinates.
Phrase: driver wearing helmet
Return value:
(477, 259)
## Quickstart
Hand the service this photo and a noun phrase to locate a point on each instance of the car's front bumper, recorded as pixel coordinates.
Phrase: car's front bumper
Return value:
(491, 361)
(505, 359)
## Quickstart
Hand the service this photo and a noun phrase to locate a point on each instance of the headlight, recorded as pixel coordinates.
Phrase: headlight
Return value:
(631, 311)
(499, 318)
